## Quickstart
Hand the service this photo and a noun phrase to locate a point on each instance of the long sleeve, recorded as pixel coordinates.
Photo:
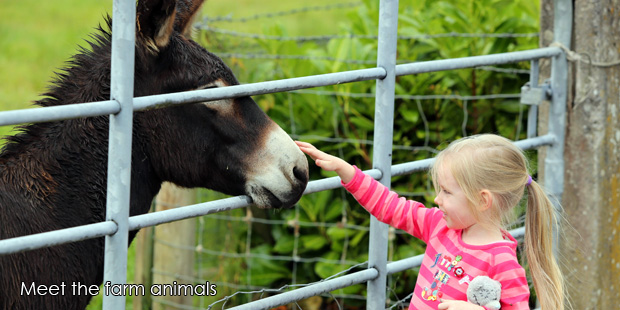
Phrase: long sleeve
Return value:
(515, 289)
(408, 215)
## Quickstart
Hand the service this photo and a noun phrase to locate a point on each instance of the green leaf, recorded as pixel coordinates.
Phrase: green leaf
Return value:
(337, 233)
(266, 271)
(410, 115)
(285, 244)
(313, 242)
(363, 123)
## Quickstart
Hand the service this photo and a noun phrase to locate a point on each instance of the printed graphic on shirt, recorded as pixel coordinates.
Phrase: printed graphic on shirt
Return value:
(446, 268)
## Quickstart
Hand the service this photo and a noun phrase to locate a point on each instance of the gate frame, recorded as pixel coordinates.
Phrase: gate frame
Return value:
(121, 106)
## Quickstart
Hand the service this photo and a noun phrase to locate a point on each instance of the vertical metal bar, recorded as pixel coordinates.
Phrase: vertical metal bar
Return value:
(554, 162)
(382, 156)
(119, 153)
(532, 116)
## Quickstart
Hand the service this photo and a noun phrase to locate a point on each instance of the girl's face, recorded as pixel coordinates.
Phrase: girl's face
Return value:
(452, 202)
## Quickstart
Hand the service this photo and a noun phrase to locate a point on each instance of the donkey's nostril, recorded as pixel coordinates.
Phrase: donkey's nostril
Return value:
(300, 174)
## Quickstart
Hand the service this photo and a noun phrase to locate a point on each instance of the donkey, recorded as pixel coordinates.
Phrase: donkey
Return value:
(53, 175)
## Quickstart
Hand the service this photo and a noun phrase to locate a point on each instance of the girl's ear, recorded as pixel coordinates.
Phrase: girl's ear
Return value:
(486, 200)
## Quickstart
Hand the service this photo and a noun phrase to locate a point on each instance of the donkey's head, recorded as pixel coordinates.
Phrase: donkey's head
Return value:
(229, 145)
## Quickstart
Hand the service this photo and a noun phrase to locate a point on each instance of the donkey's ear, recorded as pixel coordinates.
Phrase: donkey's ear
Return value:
(155, 21)
(187, 10)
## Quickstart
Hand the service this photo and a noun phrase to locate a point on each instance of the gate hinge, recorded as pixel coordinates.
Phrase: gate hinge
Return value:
(536, 95)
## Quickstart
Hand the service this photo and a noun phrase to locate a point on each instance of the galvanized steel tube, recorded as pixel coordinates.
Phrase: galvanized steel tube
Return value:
(156, 218)
(56, 237)
(424, 164)
(58, 113)
(312, 290)
(476, 61)
(170, 215)
(119, 152)
(382, 153)
(260, 88)
(554, 160)
(334, 182)
(46, 114)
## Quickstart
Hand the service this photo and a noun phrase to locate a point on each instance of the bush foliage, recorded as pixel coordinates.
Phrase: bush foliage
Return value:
(453, 108)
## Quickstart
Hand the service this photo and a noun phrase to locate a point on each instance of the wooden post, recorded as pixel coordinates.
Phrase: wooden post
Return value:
(144, 264)
(590, 249)
(173, 261)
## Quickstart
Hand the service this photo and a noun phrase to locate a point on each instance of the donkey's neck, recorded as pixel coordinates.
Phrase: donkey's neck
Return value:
(64, 166)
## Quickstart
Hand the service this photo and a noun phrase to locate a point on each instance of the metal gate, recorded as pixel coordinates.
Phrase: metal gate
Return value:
(122, 104)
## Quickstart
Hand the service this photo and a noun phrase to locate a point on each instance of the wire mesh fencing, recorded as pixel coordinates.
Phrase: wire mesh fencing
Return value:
(251, 253)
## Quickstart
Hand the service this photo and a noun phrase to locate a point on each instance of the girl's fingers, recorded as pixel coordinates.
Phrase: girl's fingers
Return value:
(321, 159)
(304, 144)
(314, 153)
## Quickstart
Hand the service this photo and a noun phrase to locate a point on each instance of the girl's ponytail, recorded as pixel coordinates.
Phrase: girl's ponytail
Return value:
(546, 274)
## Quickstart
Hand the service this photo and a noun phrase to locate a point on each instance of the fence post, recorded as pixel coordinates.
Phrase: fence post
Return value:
(382, 156)
(176, 262)
(119, 152)
(143, 266)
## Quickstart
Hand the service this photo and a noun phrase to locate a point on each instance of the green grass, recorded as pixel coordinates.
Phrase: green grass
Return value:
(38, 37)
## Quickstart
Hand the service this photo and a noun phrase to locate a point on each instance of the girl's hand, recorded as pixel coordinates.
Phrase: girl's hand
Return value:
(457, 305)
(327, 162)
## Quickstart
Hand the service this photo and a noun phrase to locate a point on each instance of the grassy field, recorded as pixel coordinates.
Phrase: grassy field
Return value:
(38, 37)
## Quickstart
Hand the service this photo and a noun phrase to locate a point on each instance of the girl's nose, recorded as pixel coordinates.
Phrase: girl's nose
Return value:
(436, 200)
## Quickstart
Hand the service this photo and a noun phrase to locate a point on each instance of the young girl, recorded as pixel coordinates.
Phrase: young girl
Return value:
(478, 180)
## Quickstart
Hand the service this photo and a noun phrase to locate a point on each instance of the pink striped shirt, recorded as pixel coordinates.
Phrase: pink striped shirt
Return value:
(449, 263)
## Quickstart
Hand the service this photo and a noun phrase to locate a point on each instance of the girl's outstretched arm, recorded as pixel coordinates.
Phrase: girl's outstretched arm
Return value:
(408, 215)
(327, 162)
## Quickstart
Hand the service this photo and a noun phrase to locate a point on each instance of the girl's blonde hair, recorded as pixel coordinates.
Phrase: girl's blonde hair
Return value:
(494, 163)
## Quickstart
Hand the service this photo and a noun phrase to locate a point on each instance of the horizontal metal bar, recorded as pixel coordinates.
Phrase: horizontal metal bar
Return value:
(36, 241)
(424, 164)
(536, 142)
(518, 232)
(311, 290)
(59, 113)
(476, 61)
(411, 167)
(404, 264)
(334, 182)
(70, 111)
(171, 215)
(56, 237)
(260, 88)
(416, 261)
